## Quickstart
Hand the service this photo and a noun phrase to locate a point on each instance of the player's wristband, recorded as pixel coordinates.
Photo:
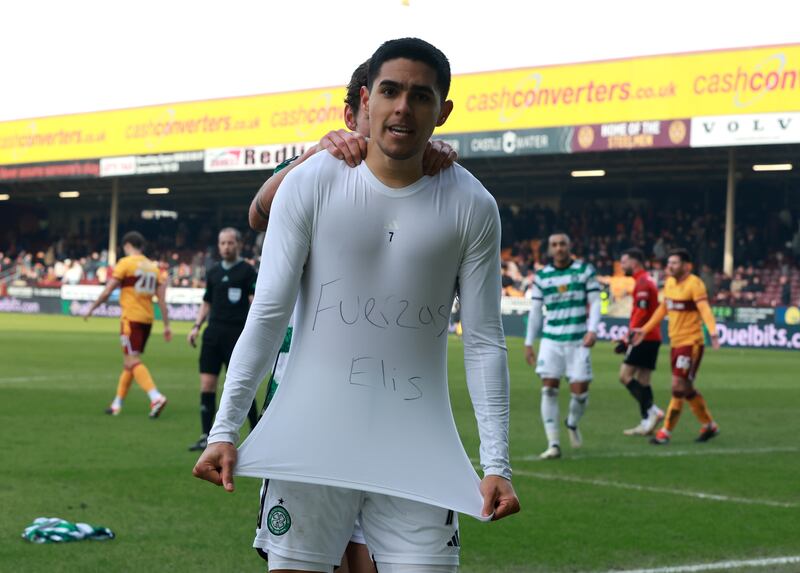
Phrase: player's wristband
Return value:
(195, 325)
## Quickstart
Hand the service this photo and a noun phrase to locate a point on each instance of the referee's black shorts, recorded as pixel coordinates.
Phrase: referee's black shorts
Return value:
(644, 355)
(218, 342)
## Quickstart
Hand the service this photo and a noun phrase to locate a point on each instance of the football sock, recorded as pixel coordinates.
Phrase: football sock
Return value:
(153, 394)
(252, 415)
(637, 391)
(673, 413)
(124, 384)
(142, 376)
(550, 414)
(116, 402)
(647, 397)
(577, 406)
(208, 406)
(699, 408)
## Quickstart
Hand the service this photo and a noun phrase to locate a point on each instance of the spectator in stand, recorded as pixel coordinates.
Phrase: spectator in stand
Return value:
(725, 283)
(509, 289)
(60, 268)
(786, 290)
(508, 282)
(527, 282)
(74, 272)
(707, 276)
(753, 290)
(50, 256)
(737, 284)
(26, 264)
(513, 271)
(660, 249)
(91, 265)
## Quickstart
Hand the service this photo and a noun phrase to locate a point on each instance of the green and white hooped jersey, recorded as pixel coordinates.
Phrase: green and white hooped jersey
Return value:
(564, 293)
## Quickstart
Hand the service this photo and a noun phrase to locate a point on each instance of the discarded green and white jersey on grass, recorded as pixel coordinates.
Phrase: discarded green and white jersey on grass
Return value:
(56, 530)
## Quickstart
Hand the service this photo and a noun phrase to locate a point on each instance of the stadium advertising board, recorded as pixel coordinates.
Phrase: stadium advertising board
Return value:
(758, 129)
(33, 292)
(787, 315)
(58, 170)
(88, 293)
(30, 305)
(519, 142)
(731, 82)
(252, 158)
(177, 312)
(84, 292)
(751, 328)
(731, 334)
(631, 135)
(185, 162)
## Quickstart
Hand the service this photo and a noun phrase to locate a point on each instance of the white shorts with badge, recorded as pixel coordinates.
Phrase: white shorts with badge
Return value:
(313, 523)
(570, 359)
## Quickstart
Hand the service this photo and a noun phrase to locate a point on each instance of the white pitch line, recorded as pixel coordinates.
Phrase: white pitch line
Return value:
(23, 379)
(718, 566)
(668, 453)
(652, 489)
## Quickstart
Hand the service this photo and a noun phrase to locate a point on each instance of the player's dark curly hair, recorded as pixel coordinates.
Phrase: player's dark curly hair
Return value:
(135, 239)
(635, 254)
(358, 79)
(412, 49)
(682, 254)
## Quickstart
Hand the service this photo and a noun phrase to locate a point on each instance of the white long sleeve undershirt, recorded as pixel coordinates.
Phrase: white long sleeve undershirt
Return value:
(534, 321)
(376, 269)
(594, 311)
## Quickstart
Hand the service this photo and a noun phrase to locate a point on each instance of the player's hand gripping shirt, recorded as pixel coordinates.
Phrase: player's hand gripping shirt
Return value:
(365, 404)
(564, 293)
(686, 302)
(139, 278)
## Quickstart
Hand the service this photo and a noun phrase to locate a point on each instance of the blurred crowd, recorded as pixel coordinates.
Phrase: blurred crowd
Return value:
(601, 231)
(185, 268)
(767, 248)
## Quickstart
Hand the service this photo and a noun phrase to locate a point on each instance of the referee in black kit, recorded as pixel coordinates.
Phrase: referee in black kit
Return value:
(230, 285)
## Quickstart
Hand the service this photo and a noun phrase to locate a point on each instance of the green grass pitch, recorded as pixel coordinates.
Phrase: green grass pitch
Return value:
(618, 503)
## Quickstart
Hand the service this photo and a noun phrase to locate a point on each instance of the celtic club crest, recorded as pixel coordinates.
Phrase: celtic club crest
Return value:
(278, 520)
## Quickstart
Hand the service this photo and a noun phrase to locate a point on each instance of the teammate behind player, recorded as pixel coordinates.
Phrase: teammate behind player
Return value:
(686, 304)
(640, 360)
(565, 288)
(140, 280)
(229, 291)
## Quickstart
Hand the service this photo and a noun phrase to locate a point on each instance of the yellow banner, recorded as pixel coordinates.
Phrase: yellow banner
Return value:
(729, 82)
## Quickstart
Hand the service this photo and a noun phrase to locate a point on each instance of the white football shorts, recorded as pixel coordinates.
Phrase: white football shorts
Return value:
(570, 359)
(313, 523)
